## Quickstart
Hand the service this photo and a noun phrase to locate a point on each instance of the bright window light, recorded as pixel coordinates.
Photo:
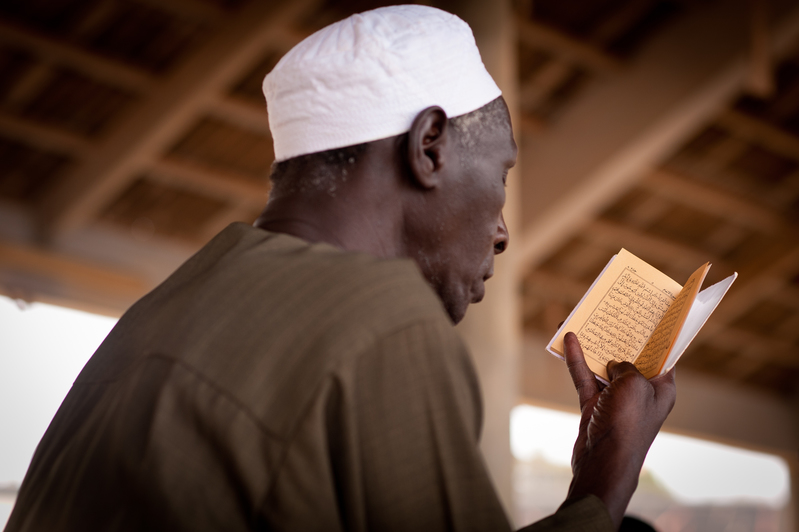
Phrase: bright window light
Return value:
(693, 471)
(43, 348)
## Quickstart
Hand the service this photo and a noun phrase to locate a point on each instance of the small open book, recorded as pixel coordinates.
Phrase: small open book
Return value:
(636, 313)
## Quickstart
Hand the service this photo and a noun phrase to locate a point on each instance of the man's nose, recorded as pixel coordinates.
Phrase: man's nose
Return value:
(501, 239)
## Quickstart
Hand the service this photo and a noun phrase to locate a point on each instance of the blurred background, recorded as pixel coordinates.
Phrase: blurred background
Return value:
(132, 131)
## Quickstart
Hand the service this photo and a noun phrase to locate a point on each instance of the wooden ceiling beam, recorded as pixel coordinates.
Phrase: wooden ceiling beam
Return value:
(749, 292)
(548, 285)
(614, 134)
(621, 20)
(760, 132)
(221, 185)
(544, 82)
(759, 348)
(43, 137)
(64, 54)
(537, 35)
(709, 199)
(613, 235)
(243, 114)
(35, 274)
(191, 9)
(166, 115)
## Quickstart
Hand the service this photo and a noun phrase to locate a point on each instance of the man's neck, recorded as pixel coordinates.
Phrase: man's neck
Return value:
(347, 229)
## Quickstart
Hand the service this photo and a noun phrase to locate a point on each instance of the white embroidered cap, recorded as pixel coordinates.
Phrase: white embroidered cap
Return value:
(366, 78)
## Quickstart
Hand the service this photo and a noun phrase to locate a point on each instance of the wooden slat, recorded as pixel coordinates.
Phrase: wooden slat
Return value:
(44, 137)
(42, 275)
(243, 114)
(548, 285)
(761, 77)
(191, 9)
(239, 189)
(712, 200)
(758, 131)
(547, 79)
(62, 53)
(750, 291)
(760, 349)
(614, 235)
(627, 15)
(537, 35)
(166, 115)
(29, 85)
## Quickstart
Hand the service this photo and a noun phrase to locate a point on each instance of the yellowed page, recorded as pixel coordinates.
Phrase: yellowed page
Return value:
(659, 344)
(620, 312)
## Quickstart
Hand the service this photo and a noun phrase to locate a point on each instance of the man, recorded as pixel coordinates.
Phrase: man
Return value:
(304, 374)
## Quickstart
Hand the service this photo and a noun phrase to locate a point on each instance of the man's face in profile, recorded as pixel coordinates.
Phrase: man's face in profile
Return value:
(467, 227)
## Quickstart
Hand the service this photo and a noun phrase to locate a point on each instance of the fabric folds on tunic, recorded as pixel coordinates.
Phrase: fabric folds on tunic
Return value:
(273, 384)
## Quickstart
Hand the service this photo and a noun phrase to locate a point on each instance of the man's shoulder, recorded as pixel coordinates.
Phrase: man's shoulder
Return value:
(353, 286)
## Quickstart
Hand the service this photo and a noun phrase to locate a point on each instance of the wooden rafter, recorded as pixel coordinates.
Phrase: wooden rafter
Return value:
(243, 114)
(712, 200)
(237, 189)
(612, 234)
(609, 138)
(61, 53)
(759, 131)
(29, 272)
(43, 137)
(540, 36)
(625, 17)
(546, 80)
(193, 9)
(162, 118)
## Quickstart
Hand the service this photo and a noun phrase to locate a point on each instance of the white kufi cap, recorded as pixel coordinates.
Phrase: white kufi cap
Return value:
(366, 78)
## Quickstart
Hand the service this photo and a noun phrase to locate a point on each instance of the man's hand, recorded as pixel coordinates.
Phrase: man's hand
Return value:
(618, 424)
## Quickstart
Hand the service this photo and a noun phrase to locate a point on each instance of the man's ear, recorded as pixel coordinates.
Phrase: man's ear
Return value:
(428, 139)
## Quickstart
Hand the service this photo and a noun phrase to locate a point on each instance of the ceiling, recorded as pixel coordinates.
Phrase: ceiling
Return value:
(132, 131)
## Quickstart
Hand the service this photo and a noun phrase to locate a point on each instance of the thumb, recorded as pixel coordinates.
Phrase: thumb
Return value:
(583, 378)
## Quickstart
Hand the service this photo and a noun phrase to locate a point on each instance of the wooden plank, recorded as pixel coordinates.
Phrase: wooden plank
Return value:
(614, 236)
(758, 131)
(547, 285)
(241, 113)
(29, 85)
(222, 185)
(610, 136)
(44, 137)
(162, 118)
(191, 9)
(535, 90)
(37, 274)
(537, 35)
(709, 199)
(761, 76)
(748, 292)
(62, 53)
(620, 21)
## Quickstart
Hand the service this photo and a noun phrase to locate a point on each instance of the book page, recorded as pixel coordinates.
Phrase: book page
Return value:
(657, 348)
(705, 303)
(619, 312)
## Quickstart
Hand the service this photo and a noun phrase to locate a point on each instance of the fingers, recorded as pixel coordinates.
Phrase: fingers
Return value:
(619, 369)
(584, 381)
(662, 388)
(665, 389)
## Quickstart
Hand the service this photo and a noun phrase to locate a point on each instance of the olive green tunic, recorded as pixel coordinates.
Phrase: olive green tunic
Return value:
(271, 384)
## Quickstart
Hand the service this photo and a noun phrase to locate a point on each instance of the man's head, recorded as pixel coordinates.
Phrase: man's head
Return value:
(390, 118)
(455, 223)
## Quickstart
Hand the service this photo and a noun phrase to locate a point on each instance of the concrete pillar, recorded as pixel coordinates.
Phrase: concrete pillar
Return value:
(493, 328)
